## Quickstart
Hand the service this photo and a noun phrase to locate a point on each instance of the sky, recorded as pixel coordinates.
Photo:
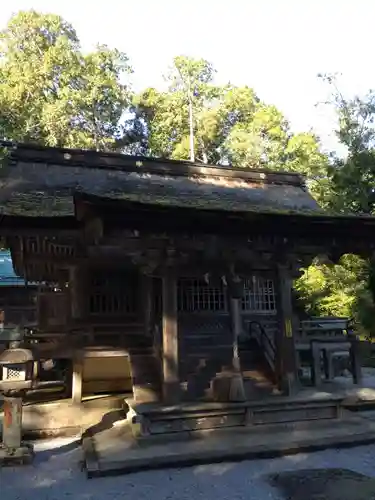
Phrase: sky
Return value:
(276, 47)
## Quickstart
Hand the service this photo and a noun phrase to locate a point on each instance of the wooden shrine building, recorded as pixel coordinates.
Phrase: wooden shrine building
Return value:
(166, 264)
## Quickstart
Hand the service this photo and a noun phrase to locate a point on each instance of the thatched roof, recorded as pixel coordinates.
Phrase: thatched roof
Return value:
(42, 182)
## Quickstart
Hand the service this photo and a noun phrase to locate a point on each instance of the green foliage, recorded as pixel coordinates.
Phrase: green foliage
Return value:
(353, 178)
(52, 93)
(353, 183)
(231, 124)
(348, 288)
(333, 290)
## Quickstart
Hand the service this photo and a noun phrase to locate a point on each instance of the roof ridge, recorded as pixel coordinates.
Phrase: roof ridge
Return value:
(134, 163)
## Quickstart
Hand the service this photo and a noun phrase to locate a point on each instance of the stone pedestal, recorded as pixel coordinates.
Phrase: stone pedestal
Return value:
(13, 451)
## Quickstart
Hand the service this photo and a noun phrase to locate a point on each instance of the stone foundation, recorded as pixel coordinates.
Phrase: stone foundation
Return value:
(62, 418)
(151, 419)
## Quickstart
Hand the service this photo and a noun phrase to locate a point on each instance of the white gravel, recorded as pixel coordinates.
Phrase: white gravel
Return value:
(56, 475)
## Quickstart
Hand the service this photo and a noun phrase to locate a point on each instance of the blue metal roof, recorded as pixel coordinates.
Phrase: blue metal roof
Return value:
(7, 275)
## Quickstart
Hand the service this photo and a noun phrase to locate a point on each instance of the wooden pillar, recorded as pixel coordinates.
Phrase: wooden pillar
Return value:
(316, 371)
(237, 390)
(78, 311)
(355, 361)
(286, 361)
(77, 380)
(145, 366)
(171, 382)
(78, 292)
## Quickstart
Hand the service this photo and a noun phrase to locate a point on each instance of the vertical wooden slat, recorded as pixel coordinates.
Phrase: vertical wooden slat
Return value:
(171, 386)
(146, 303)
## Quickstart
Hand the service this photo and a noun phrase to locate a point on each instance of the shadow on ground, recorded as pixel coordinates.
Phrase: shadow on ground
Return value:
(324, 484)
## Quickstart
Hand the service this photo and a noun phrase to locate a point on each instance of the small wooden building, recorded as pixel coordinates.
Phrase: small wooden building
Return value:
(164, 265)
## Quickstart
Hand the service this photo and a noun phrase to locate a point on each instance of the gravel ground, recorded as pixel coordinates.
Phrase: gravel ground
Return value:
(56, 475)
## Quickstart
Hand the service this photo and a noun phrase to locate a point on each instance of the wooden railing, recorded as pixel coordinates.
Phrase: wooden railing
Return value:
(323, 327)
(262, 333)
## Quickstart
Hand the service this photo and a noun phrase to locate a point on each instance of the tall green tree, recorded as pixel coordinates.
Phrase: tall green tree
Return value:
(54, 94)
(174, 118)
(191, 78)
(224, 124)
(353, 177)
(347, 289)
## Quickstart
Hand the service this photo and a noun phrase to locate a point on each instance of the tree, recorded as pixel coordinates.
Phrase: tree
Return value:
(333, 290)
(224, 124)
(191, 78)
(173, 118)
(53, 94)
(353, 178)
(347, 289)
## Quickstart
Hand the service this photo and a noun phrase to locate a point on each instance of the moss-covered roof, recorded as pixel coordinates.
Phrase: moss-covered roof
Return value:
(42, 182)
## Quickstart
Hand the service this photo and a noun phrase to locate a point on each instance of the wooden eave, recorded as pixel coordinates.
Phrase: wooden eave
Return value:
(120, 214)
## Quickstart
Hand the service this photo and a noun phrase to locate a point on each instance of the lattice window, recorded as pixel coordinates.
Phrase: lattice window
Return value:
(195, 295)
(259, 295)
(113, 293)
(14, 372)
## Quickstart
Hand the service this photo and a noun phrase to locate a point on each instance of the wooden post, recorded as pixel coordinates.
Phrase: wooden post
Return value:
(77, 380)
(355, 361)
(171, 385)
(78, 292)
(286, 361)
(146, 375)
(237, 390)
(316, 374)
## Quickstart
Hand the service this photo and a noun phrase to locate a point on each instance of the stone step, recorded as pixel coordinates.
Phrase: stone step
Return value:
(113, 451)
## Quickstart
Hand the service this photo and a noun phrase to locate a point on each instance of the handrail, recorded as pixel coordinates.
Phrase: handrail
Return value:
(328, 326)
(263, 333)
(264, 336)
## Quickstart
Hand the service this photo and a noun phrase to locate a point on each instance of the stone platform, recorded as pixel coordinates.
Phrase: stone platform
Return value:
(62, 418)
(150, 419)
(114, 450)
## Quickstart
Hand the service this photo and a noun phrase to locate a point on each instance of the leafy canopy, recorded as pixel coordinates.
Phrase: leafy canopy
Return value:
(231, 124)
(52, 93)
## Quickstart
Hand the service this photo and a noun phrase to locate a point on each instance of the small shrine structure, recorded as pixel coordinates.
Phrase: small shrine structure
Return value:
(156, 268)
